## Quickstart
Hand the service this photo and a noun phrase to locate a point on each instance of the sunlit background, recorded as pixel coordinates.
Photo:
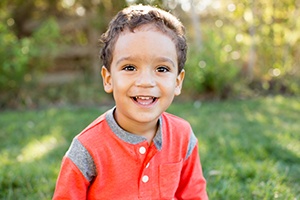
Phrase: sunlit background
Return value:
(241, 92)
(237, 49)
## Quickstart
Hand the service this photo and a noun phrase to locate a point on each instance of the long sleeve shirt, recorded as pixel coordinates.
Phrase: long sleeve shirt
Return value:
(106, 162)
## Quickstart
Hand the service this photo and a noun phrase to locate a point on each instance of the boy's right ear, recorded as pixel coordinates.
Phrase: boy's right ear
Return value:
(107, 81)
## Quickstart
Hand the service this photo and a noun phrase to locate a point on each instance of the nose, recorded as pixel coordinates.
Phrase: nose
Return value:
(145, 79)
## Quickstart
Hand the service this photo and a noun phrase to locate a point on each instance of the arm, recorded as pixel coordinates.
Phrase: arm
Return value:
(192, 183)
(71, 184)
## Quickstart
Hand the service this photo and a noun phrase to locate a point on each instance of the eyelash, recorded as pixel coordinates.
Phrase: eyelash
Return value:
(162, 69)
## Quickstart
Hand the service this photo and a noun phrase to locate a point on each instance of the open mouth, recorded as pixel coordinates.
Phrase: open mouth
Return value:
(145, 100)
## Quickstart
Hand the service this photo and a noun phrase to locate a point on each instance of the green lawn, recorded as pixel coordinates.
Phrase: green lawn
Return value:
(249, 149)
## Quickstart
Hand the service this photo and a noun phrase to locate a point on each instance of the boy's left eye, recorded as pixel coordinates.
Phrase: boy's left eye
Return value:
(162, 69)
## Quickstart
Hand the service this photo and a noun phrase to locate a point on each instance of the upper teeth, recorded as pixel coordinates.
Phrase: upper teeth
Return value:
(144, 98)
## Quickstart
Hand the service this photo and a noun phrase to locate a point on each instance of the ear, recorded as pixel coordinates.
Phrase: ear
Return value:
(179, 81)
(107, 82)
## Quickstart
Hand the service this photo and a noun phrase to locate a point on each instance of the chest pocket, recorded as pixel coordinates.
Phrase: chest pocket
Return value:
(169, 177)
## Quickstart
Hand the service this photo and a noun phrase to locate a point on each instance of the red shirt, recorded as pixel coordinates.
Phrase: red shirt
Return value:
(106, 162)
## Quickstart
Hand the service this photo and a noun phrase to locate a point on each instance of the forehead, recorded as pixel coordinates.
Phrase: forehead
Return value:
(143, 37)
(151, 27)
(157, 27)
(145, 43)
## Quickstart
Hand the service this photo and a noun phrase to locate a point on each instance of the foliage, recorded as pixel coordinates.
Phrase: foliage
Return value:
(14, 60)
(272, 31)
(22, 59)
(250, 150)
(78, 92)
(248, 48)
(262, 39)
(212, 70)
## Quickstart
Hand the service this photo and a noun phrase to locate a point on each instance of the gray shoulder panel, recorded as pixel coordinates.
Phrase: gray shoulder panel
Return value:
(82, 159)
(192, 143)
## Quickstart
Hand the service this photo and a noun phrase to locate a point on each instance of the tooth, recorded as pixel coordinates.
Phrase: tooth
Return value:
(145, 98)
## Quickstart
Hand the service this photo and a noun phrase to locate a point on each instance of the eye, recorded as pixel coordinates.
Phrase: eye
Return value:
(162, 69)
(129, 68)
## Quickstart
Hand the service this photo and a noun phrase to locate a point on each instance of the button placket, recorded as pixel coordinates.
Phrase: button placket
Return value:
(147, 165)
(146, 176)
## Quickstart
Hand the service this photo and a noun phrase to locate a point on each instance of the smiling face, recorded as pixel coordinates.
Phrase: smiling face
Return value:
(143, 76)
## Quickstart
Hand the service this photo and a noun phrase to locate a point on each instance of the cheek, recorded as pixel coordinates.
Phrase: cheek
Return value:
(168, 86)
(120, 84)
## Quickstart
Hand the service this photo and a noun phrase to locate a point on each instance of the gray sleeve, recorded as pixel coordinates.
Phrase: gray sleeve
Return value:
(192, 143)
(80, 156)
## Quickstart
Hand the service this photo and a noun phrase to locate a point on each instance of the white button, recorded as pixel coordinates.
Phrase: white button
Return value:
(145, 179)
(147, 165)
(142, 150)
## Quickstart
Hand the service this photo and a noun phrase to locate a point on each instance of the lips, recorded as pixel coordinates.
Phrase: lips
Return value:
(145, 100)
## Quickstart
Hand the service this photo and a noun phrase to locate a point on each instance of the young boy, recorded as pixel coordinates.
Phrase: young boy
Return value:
(136, 150)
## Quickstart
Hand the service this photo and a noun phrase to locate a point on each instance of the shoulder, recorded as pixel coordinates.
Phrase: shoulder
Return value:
(91, 138)
(92, 126)
(82, 159)
(173, 121)
(84, 145)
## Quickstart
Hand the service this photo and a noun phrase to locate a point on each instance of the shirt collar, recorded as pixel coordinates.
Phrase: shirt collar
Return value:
(129, 137)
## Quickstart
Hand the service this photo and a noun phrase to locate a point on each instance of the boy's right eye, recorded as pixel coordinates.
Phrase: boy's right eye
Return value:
(129, 68)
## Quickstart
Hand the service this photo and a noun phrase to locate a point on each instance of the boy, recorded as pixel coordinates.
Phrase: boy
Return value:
(136, 150)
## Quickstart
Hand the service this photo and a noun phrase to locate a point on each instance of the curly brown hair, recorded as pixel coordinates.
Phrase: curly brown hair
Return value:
(133, 17)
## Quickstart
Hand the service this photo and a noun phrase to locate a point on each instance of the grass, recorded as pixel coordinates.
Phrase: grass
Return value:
(249, 149)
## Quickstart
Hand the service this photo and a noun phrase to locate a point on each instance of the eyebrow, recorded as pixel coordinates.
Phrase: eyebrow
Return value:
(166, 59)
(160, 59)
(123, 58)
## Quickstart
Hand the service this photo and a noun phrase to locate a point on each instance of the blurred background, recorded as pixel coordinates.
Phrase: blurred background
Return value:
(237, 49)
(241, 92)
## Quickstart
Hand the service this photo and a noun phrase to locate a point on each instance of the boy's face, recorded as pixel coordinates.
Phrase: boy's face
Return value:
(143, 75)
